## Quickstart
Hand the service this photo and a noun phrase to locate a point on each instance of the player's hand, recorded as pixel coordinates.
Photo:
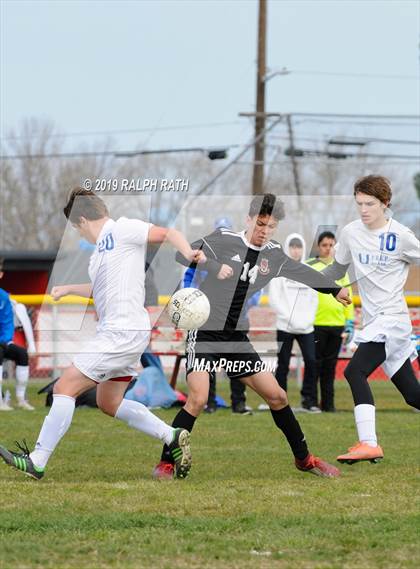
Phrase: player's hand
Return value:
(225, 272)
(344, 297)
(199, 256)
(58, 292)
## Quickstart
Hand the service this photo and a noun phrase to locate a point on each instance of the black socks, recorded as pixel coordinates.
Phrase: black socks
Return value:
(182, 420)
(287, 423)
(284, 419)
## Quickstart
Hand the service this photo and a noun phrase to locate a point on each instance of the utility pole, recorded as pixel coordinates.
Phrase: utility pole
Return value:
(258, 174)
(293, 156)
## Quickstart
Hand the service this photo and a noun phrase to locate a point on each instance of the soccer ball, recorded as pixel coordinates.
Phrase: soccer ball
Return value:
(188, 308)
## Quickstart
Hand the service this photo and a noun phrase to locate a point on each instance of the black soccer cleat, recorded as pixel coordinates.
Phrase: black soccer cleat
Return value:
(21, 460)
(181, 452)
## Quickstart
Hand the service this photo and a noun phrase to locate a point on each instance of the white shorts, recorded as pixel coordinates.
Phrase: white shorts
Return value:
(395, 331)
(112, 354)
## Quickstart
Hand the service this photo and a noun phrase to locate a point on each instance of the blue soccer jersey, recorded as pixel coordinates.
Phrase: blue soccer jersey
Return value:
(7, 326)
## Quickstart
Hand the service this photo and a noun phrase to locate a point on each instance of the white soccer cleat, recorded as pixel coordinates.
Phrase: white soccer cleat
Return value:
(5, 407)
(25, 405)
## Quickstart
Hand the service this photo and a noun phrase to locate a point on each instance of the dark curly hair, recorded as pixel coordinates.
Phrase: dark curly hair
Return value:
(267, 204)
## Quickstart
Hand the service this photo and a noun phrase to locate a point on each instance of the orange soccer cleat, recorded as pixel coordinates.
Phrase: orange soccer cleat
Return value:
(361, 451)
(317, 466)
(164, 471)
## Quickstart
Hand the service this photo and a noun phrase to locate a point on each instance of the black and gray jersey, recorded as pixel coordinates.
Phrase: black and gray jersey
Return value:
(253, 268)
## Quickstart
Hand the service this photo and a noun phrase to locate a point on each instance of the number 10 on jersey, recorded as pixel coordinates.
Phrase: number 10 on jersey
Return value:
(388, 241)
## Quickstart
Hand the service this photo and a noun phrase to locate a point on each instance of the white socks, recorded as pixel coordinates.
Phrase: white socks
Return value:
(58, 420)
(60, 416)
(136, 415)
(22, 377)
(364, 416)
(53, 429)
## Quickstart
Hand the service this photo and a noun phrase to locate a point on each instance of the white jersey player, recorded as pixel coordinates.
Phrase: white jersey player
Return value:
(117, 276)
(380, 250)
(117, 273)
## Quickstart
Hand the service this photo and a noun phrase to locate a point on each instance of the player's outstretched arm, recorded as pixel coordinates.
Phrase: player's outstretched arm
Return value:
(335, 271)
(175, 237)
(84, 290)
(207, 246)
(317, 280)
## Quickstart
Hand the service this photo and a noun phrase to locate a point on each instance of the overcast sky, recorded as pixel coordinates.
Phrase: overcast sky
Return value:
(109, 66)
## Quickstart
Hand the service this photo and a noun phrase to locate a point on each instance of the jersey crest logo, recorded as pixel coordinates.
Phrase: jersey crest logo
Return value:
(236, 258)
(264, 269)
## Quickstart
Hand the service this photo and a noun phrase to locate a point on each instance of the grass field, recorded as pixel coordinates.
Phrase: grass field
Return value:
(244, 504)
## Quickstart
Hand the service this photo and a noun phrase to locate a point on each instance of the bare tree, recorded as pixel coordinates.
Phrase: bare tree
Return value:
(34, 187)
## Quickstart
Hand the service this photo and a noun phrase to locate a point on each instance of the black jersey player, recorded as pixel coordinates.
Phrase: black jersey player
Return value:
(238, 265)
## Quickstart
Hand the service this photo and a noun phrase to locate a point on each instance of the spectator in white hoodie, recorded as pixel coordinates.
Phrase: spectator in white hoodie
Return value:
(295, 305)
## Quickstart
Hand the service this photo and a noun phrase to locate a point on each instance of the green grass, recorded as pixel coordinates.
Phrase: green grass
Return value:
(244, 504)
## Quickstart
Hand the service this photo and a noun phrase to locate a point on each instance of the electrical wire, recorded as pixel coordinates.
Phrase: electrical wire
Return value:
(127, 131)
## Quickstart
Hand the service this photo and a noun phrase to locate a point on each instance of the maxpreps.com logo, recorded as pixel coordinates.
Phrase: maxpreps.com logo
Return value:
(263, 268)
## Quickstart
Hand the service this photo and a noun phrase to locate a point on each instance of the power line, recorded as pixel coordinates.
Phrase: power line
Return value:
(347, 118)
(242, 152)
(302, 152)
(356, 115)
(285, 71)
(364, 75)
(330, 115)
(57, 155)
(134, 153)
(211, 125)
(356, 122)
(126, 131)
(326, 160)
(343, 139)
(121, 153)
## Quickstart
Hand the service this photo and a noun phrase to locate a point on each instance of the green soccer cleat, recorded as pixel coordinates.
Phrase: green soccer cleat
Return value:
(181, 452)
(21, 460)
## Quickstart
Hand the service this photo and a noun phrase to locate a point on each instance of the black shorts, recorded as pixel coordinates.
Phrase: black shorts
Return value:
(212, 351)
(15, 353)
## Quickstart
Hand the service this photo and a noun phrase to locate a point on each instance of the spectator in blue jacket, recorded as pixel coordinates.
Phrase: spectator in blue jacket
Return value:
(11, 351)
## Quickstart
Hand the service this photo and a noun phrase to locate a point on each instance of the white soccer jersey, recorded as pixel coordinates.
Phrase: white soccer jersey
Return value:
(380, 258)
(117, 272)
